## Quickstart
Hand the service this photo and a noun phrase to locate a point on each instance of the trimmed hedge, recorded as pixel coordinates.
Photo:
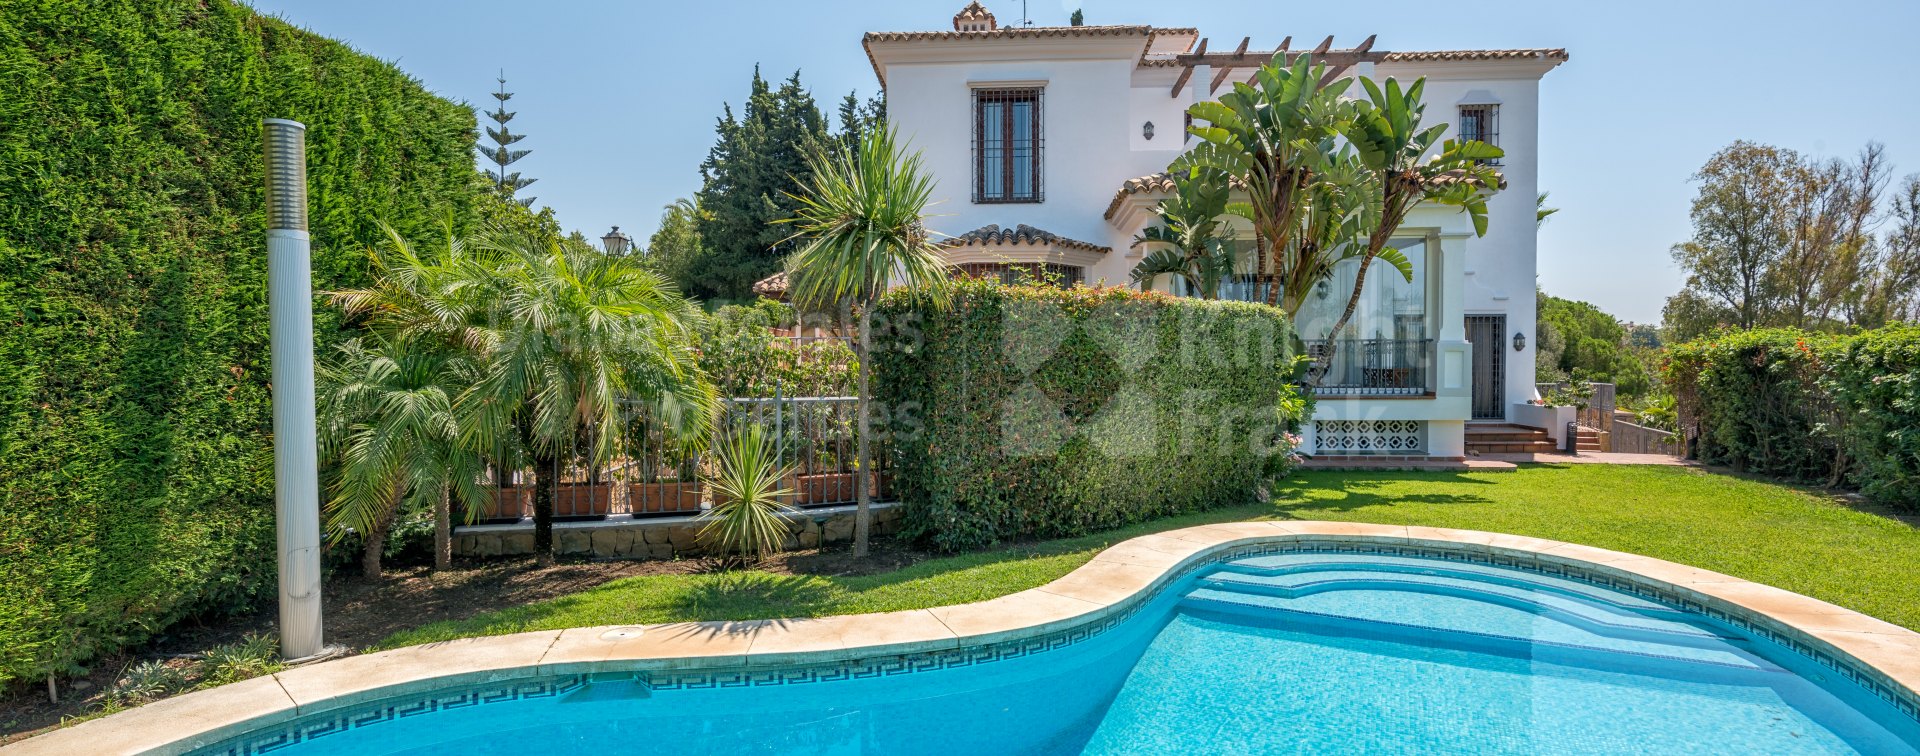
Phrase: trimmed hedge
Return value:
(136, 480)
(1875, 378)
(1753, 400)
(1027, 412)
(1807, 407)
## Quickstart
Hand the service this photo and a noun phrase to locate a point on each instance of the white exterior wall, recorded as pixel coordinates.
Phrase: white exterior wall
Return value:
(1501, 267)
(1096, 100)
(1090, 126)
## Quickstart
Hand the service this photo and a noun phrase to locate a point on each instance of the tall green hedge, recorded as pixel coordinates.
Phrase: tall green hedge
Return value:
(1875, 378)
(135, 477)
(1036, 412)
(1809, 407)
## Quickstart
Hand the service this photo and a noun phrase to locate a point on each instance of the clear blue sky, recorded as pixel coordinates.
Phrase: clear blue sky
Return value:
(619, 99)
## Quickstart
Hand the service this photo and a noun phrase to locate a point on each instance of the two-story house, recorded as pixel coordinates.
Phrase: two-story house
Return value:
(1049, 145)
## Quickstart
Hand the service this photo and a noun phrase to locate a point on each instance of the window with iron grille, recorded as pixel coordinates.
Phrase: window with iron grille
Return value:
(1006, 145)
(1009, 274)
(1481, 123)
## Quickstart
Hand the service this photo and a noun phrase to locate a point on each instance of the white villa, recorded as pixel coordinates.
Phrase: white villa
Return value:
(1049, 145)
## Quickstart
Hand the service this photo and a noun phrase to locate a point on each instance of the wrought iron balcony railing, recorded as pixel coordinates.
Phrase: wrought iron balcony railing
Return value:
(1372, 367)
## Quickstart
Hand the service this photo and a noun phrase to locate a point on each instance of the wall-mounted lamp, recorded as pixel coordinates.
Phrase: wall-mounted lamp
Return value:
(1519, 341)
(1147, 131)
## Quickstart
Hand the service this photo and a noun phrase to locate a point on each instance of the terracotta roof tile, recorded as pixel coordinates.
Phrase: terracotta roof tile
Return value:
(772, 286)
(1559, 54)
(1023, 234)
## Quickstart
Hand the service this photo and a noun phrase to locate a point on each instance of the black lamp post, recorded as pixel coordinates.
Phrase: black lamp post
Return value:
(616, 243)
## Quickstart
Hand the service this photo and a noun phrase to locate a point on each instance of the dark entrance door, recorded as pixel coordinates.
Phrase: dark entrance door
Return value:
(1485, 332)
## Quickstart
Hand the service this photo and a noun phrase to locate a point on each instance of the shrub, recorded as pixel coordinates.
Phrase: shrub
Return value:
(1875, 380)
(147, 681)
(745, 521)
(136, 480)
(251, 656)
(1754, 401)
(744, 357)
(1033, 411)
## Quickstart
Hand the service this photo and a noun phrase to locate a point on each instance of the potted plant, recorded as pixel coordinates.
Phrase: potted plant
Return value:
(582, 501)
(508, 504)
(666, 487)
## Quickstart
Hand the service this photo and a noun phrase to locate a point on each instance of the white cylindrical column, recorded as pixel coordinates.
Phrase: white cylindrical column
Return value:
(296, 467)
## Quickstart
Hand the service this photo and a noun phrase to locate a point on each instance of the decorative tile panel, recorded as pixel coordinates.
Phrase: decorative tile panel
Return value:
(1370, 436)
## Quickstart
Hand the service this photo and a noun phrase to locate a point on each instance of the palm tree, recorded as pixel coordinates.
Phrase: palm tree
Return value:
(571, 335)
(422, 305)
(1276, 136)
(1391, 148)
(389, 425)
(1540, 210)
(1188, 241)
(860, 218)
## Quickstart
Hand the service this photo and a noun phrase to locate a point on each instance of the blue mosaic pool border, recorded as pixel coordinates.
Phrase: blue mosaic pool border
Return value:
(314, 726)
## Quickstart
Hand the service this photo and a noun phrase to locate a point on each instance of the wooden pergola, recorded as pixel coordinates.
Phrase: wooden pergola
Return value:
(1223, 64)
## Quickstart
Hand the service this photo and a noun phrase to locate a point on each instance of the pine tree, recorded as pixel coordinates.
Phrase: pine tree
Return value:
(856, 118)
(1078, 19)
(504, 182)
(759, 160)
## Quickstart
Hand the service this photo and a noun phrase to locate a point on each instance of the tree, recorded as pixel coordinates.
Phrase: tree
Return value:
(1188, 242)
(1891, 290)
(748, 180)
(1577, 340)
(1077, 19)
(1540, 210)
(386, 408)
(389, 425)
(1739, 231)
(861, 226)
(1781, 239)
(571, 335)
(858, 118)
(506, 184)
(675, 251)
(1391, 147)
(1276, 136)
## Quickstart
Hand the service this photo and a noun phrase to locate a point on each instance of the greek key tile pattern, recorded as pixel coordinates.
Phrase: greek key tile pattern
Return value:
(1370, 436)
(329, 723)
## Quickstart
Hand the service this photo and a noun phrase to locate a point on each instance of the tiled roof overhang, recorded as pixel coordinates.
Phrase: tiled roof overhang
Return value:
(1146, 33)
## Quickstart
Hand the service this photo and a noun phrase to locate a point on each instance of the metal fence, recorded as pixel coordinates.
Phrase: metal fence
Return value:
(1372, 367)
(1632, 438)
(1598, 414)
(654, 475)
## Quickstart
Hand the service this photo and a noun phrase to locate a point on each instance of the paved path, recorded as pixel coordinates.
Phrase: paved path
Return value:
(1494, 462)
(1590, 458)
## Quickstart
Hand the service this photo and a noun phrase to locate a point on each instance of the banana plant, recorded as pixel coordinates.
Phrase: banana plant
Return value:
(1391, 148)
(1274, 134)
(1188, 241)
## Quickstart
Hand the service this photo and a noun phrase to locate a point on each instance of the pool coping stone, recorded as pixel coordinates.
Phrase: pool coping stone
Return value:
(1115, 580)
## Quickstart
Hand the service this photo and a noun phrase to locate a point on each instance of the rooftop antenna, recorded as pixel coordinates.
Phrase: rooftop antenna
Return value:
(1024, 20)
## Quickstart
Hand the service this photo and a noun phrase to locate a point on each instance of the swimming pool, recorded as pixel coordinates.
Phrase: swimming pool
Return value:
(1285, 648)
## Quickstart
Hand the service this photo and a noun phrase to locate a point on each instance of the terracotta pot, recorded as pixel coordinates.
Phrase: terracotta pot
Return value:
(581, 501)
(824, 488)
(664, 498)
(508, 505)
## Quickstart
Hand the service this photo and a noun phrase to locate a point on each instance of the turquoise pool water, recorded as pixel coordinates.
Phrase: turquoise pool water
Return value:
(1284, 653)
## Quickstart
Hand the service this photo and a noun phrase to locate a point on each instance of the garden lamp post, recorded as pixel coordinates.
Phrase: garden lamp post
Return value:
(616, 243)
(296, 467)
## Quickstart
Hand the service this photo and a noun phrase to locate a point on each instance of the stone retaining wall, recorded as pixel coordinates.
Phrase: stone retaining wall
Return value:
(659, 537)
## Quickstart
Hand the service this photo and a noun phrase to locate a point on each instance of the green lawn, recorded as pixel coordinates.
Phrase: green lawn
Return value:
(1767, 533)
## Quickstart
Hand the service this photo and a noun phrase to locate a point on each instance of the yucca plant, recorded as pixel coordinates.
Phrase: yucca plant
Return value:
(861, 223)
(745, 522)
